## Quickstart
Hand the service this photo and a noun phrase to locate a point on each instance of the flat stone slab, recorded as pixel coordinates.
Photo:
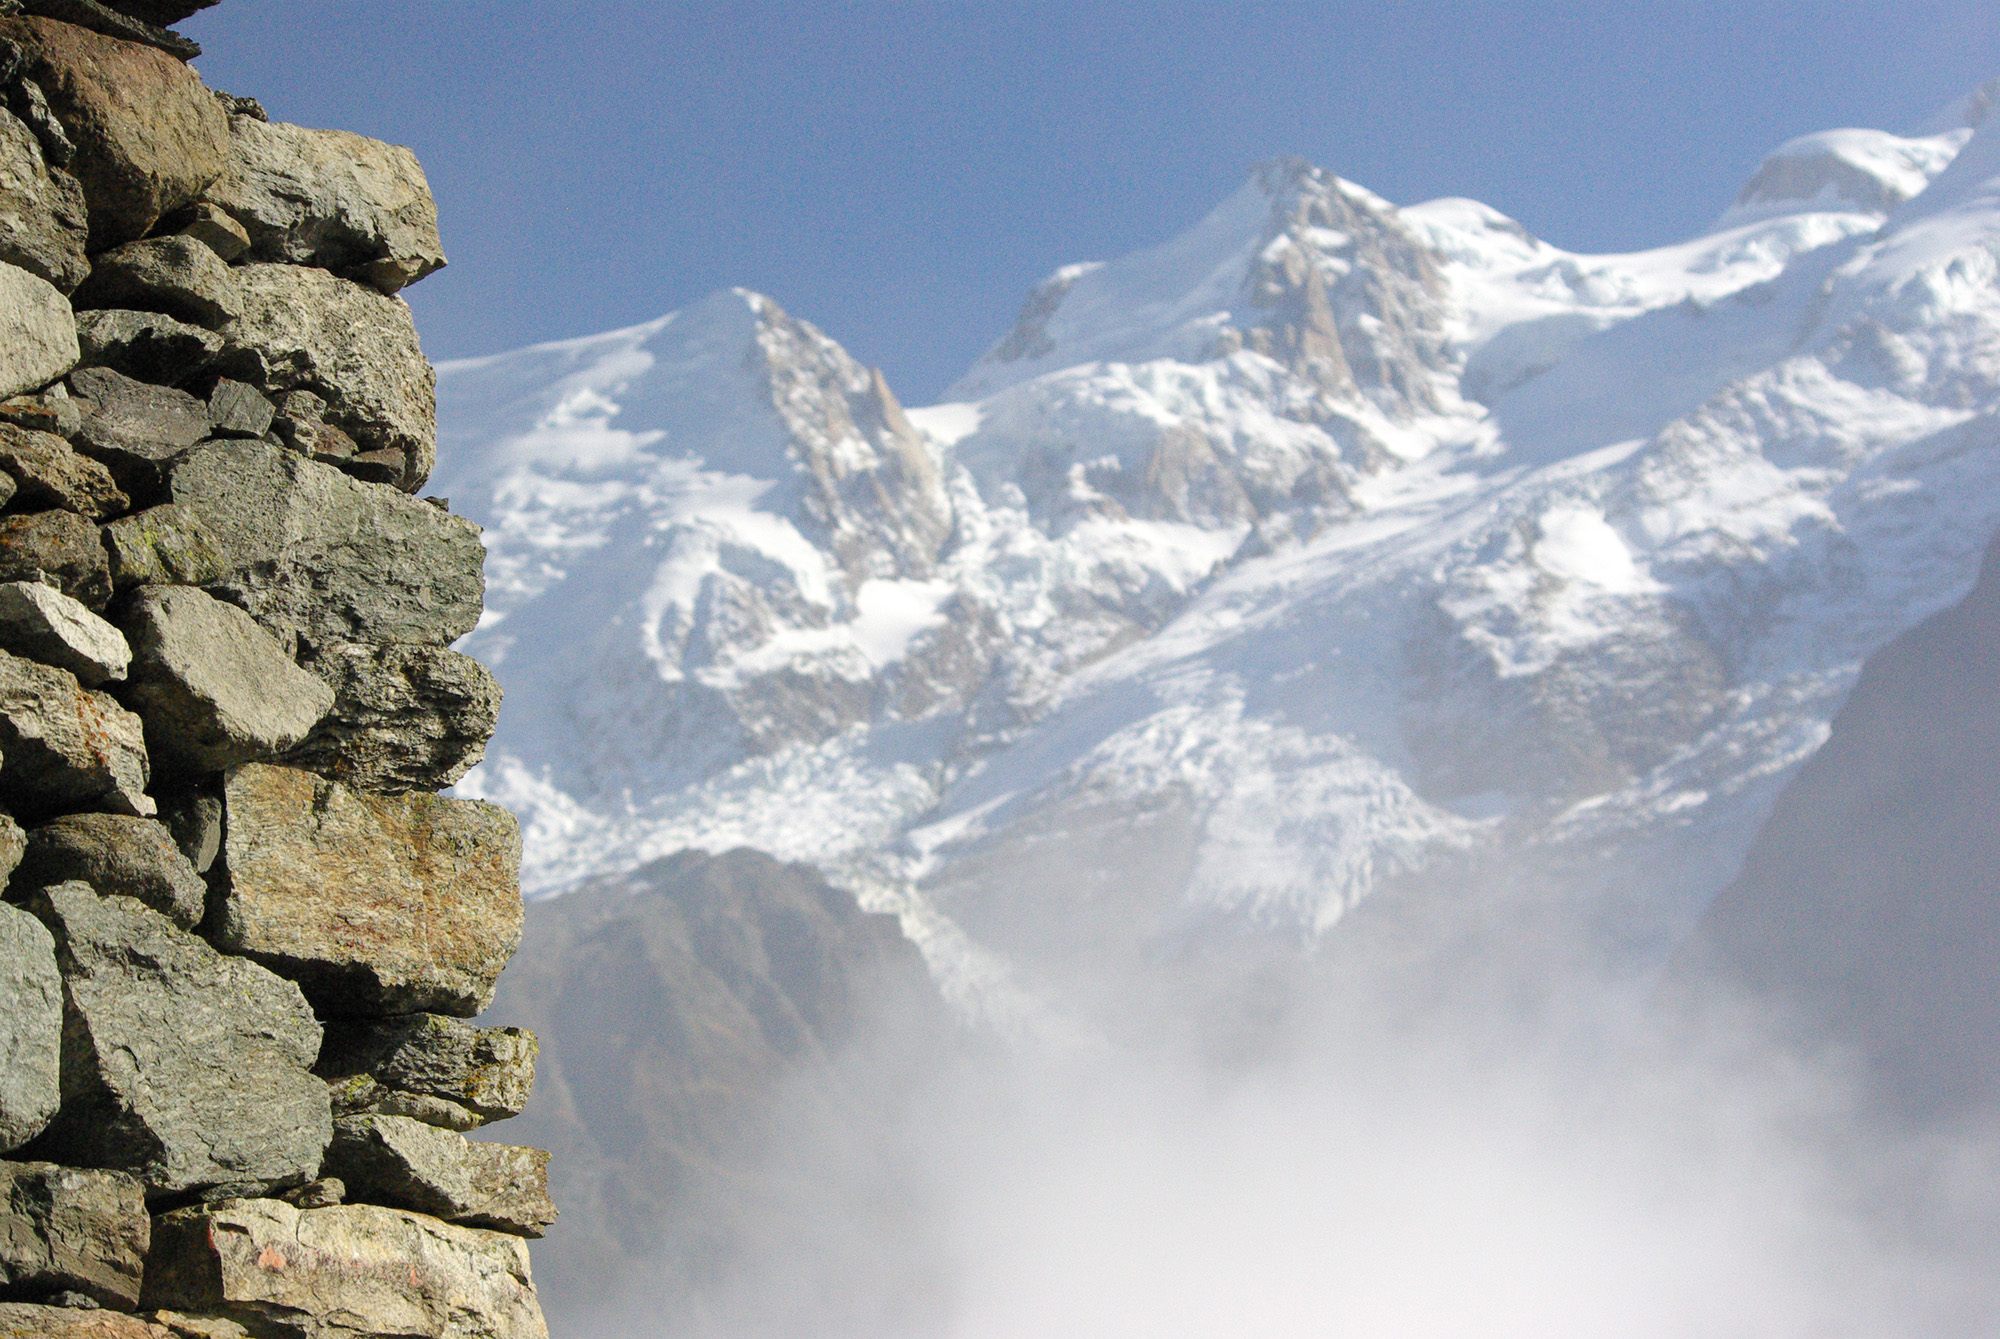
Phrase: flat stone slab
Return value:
(48, 472)
(406, 1164)
(148, 346)
(69, 1229)
(119, 856)
(63, 745)
(178, 276)
(487, 1073)
(22, 1320)
(308, 551)
(355, 206)
(60, 546)
(213, 687)
(353, 1269)
(181, 1065)
(41, 623)
(404, 717)
(375, 904)
(30, 1028)
(307, 329)
(134, 428)
(37, 331)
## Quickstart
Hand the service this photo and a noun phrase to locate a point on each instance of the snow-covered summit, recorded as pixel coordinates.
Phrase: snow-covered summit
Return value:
(1328, 551)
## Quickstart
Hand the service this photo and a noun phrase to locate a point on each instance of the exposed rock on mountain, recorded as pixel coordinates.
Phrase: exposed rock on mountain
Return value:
(1866, 906)
(691, 1016)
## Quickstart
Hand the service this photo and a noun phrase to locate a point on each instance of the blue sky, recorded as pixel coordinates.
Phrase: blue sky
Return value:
(900, 174)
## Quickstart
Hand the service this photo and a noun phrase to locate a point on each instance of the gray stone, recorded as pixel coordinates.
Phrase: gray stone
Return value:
(212, 227)
(306, 329)
(375, 904)
(355, 206)
(162, 13)
(301, 424)
(352, 1270)
(146, 346)
(407, 1164)
(239, 410)
(65, 1229)
(135, 428)
(42, 219)
(321, 1194)
(360, 1095)
(28, 1320)
(180, 1064)
(193, 814)
(148, 137)
(49, 473)
(213, 687)
(50, 411)
(7, 489)
(30, 1028)
(103, 18)
(13, 845)
(119, 856)
(63, 745)
(307, 550)
(488, 1072)
(37, 331)
(404, 717)
(176, 275)
(43, 624)
(183, 1326)
(58, 546)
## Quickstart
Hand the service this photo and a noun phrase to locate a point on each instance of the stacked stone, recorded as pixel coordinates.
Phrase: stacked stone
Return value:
(241, 932)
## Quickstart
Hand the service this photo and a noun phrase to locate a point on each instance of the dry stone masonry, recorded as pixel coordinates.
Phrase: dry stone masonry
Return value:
(242, 933)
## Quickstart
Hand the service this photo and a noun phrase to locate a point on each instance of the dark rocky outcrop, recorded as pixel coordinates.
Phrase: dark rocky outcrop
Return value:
(695, 1017)
(1869, 906)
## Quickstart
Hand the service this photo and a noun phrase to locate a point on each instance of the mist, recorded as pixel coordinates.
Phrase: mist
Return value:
(1677, 1161)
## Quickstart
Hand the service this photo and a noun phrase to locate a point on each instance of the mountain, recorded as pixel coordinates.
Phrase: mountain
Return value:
(1331, 552)
(1870, 902)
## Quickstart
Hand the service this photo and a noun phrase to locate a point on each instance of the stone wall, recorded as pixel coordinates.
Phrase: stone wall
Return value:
(241, 932)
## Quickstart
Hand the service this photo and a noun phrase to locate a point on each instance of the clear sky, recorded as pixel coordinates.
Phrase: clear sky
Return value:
(900, 174)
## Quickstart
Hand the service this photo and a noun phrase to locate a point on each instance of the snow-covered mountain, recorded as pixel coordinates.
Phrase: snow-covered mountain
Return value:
(1330, 550)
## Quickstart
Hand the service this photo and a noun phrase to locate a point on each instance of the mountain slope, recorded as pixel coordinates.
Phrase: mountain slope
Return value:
(1869, 905)
(1327, 550)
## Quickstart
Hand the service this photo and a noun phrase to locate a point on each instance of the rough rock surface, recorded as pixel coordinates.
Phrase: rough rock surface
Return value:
(354, 1269)
(404, 717)
(162, 13)
(30, 1028)
(37, 331)
(212, 226)
(112, 21)
(486, 1072)
(179, 276)
(63, 745)
(307, 550)
(356, 349)
(192, 812)
(214, 688)
(355, 206)
(375, 904)
(145, 345)
(119, 856)
(148, 136)
(136, 429)
(237, 409)
(182, 1065)
(58, 546)
(13, 845)
(42, 623)
(25, 1320)
(66, 1229)
(408, 1164)
(48, 473)
(42, 221)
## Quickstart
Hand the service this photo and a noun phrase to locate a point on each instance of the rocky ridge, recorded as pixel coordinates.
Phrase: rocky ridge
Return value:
(241, 932)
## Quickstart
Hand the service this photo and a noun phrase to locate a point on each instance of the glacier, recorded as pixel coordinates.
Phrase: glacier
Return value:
(1331, 552)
